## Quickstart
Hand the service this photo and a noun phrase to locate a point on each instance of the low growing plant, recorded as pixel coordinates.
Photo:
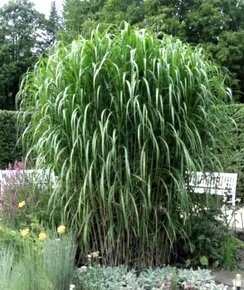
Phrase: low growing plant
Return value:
(58, 259)
(118, 278)
(41, 265)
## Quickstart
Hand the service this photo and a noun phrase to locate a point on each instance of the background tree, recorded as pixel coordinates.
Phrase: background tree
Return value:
(22, 40)
(54, 23)
(72, 17)
(115, 11)
(218, 26)
(163, 19)
(81, 17)
(215, 24)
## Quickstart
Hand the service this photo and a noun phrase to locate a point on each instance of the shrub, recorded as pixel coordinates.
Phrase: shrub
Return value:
(9, 150)
(207, 238)
(120, 118)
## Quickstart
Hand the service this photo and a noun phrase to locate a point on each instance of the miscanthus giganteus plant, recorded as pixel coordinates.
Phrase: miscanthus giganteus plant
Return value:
(120, 118)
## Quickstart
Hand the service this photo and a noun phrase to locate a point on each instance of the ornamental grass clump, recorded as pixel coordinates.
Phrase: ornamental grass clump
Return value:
(120, 118)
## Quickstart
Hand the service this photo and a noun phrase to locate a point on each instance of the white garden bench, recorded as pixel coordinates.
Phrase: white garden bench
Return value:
(39, 177)
(223, 184)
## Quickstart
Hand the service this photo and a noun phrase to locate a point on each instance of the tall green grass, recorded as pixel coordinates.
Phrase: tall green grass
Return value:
(120, 118)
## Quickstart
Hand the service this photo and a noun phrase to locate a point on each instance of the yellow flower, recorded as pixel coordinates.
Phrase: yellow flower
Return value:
(21, 204)
(24, 232)
(42, 236)
(61, 229)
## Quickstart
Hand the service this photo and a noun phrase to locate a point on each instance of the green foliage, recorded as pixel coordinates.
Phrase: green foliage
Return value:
(47, 267)
(9, 150)
(53, 24)
(208, 236)
(73, 16)
(119, 118)
(207, 20)
(81, 17)
(24, 201)
(33, 212)
(216, 24)
(6, 262)
(58, 260)
(24, 227)
(115, 11)
(38, 258)
(230, 137)
(229, 52)
(114, 278)
(170, 23)
(230, 249)
(203, 261)
(10, 237)
(20, 44)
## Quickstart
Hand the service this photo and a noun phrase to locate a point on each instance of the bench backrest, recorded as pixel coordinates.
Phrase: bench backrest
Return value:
(213, 183)
(39, 177)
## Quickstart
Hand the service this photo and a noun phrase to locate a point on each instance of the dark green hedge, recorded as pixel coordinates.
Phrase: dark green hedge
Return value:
(9, 151)
(230, 144)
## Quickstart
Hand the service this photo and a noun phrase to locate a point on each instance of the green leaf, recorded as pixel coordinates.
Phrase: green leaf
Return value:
(201, 237)
(188, 263)
(203, 261)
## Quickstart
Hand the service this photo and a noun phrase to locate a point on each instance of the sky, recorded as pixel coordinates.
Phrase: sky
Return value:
(42, 6)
